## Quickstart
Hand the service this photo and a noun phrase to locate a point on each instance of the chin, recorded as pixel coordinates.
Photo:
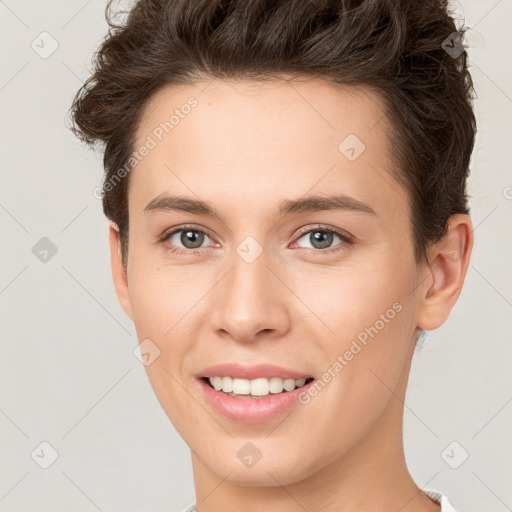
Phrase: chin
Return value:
(274, 471)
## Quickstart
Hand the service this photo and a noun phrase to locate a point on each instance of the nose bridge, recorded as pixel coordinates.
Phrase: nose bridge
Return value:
(249, 299)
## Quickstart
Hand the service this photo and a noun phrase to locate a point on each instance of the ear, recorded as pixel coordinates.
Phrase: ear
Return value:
(448, 264)
(119, 275)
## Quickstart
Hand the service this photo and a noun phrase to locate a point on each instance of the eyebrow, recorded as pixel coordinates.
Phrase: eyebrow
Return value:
(287, 207)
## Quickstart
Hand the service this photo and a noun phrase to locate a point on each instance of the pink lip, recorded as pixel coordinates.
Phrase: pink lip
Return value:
(251, 410)
(236, 370)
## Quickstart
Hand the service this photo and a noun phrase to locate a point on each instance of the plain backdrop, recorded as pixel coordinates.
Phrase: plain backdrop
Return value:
(69, 378)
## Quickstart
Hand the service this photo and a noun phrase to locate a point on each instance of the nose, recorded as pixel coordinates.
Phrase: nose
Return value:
(250, 302)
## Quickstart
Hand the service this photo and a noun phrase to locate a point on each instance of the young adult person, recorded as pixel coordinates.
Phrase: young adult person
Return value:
(286, 185)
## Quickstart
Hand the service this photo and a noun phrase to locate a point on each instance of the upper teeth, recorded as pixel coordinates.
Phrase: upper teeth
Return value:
(256, 387)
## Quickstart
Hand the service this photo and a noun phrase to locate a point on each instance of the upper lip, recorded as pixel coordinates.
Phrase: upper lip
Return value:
(240, 371)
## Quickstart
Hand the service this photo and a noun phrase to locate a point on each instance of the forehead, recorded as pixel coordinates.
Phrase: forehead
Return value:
(274, 112)
(254, 139)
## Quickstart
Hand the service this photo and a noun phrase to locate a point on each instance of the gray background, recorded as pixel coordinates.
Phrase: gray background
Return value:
(68, 375)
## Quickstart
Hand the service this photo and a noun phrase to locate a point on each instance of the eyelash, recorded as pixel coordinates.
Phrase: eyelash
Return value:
(346, 239)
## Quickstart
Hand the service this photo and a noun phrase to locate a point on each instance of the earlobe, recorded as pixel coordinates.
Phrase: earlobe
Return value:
(118, 271)
(449, 261)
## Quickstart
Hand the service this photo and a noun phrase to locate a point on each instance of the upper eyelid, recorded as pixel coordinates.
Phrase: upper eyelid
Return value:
(173, 231)
(322, 227)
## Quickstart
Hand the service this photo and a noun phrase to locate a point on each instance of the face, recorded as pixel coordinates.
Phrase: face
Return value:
(251, 270)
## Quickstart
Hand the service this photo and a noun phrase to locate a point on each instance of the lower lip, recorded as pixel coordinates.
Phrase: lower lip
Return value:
(251, 410)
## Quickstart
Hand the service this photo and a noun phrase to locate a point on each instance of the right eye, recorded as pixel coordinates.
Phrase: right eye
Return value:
(190, 238)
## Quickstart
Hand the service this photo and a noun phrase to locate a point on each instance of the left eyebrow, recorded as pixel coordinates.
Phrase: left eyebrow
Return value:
(287, 207)
(320, 202)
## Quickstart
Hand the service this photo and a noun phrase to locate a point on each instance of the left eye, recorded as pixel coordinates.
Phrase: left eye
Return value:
(322, 238)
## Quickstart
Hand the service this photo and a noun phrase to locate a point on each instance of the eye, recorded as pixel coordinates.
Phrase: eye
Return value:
(188, 239)
(185, 239)
(321, 239)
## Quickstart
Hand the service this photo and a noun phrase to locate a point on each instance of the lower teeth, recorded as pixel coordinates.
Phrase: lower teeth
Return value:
(245, 396)
(253, 396)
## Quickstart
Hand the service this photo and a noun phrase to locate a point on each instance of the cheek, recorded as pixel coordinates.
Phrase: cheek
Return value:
(348, 299)
(161, 300)
(161, 296)
(365, 330)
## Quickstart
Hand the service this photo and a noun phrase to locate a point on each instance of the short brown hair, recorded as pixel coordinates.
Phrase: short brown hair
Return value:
(397, 47)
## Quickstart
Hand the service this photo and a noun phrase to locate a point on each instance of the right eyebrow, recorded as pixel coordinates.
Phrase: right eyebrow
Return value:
(180, 203)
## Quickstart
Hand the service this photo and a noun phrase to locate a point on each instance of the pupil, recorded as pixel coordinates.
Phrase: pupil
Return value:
(324, 239)
(193, 237)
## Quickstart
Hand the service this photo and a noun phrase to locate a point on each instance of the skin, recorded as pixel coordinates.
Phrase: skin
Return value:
(246, 147)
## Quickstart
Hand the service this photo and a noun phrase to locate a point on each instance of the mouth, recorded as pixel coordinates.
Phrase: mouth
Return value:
(253, 394)
(254, 400)
(258, 388)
